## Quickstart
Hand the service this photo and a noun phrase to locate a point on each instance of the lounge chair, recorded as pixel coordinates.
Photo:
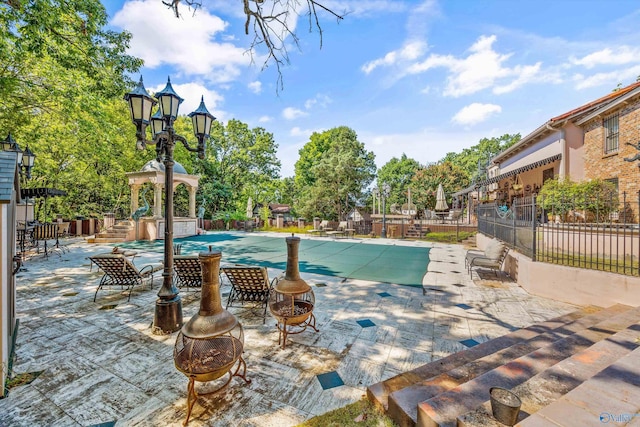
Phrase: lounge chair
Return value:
(120, 271)
(248, 285)
(321, 230)
(492, 257)
(187, 271)
(340, 231)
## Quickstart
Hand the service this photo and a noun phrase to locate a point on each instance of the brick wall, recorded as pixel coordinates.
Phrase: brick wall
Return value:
(601, 166)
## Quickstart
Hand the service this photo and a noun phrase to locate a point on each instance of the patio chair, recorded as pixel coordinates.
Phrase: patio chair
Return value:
(492, 257)
(340, 231)
(187, 271)
(321, 228)
(248, 285)
(120, 271)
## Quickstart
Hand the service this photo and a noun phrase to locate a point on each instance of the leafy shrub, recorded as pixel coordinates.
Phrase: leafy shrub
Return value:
(596, 197)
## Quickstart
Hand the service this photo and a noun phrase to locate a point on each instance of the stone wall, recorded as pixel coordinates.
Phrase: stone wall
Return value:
(601, 166)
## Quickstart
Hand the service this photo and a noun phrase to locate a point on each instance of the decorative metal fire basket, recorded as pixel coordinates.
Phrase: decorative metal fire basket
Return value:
(292, 300)
(211, 343)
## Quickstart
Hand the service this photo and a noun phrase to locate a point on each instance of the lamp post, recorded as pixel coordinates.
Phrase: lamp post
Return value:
(386, 190)
(168, 310)
(26, 160)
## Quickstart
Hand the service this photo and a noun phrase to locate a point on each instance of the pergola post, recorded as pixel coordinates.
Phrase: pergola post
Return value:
(135, 191)
(157, 200)
(192, 201)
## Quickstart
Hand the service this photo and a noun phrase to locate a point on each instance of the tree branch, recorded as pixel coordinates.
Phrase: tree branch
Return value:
(270, 26)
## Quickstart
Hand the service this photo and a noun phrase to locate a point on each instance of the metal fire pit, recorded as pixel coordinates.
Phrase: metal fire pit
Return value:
(211, 343)
(292, 300)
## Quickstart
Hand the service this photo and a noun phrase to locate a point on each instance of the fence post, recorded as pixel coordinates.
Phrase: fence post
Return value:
(513, 224)
(534, 223)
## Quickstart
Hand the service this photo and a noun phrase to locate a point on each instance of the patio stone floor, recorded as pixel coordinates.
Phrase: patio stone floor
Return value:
(102, 365)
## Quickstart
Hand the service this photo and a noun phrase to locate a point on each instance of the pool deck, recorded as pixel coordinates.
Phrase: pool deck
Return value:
(103, 365)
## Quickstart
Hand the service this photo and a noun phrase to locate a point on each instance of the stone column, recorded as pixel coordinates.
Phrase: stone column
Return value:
(135, 195)
(157, 200)
(192, 201)
(300, 222)
(280, 221)
(316, 223)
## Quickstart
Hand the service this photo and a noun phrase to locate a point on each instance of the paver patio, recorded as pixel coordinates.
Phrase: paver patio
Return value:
(102, 364)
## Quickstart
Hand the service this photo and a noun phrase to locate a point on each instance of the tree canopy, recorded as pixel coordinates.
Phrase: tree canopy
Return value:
(425, 183)
(398, 174)
(332, 173)
(473, 160)
(240, 162)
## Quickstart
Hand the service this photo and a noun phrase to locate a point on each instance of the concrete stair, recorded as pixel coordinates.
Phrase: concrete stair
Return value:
(416, 231)
(540, 363)
(118, 233)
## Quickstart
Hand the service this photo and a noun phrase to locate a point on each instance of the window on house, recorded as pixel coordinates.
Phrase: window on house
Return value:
(613, 181)
(547, 174)
(611, 134)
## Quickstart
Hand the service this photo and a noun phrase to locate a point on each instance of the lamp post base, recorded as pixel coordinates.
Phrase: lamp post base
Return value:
(168, 316)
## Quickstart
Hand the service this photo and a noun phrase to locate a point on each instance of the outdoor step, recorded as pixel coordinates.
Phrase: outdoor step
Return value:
(107, 240)
(403, 404)
(444, 409)
(611, 396)
(378, 393)
(555, 382)
(110, 235)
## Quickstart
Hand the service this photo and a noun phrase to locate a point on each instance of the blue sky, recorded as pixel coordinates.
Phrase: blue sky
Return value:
(418, 77)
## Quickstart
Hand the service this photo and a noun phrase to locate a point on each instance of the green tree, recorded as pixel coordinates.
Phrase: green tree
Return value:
(61, 83)
(239, 162)
(336, 180)
(398, 174)
(475, 158)
(425, 183)
(46, 43)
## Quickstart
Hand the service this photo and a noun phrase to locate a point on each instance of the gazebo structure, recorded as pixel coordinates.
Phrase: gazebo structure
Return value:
(151, 227)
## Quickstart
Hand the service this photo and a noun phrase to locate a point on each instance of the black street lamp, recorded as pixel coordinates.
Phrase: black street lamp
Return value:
(26, 160)
(168, 310)
(386, 190)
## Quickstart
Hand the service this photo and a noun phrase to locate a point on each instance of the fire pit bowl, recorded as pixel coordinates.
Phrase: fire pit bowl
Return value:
(195, 358)
(292, 314)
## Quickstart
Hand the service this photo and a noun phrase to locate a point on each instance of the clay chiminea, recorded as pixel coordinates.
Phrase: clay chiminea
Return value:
(292, 300)
(210, 344)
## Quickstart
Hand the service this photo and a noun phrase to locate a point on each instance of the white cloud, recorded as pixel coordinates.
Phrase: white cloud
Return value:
(409, 52)
(255, 87)
(611, 78)
(475, 113)
(192, 93)
(187, 43)
(364, 8)
(265, 119)
(618, 56)
(291, 113)
(319, 100)
(483, 68)
(306, 133)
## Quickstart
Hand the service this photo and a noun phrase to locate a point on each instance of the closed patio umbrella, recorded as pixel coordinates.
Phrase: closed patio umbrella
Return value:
(441, 203)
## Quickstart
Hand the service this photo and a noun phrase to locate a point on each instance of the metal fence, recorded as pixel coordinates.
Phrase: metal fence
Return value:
(601, 235)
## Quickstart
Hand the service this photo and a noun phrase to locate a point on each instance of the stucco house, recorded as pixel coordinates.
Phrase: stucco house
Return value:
(9, 197)
(585, 143)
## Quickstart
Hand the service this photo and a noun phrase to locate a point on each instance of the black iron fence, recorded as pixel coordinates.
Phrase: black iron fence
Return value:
(600, 235)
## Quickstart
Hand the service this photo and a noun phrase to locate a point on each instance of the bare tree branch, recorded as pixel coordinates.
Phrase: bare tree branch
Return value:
(267, 19)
